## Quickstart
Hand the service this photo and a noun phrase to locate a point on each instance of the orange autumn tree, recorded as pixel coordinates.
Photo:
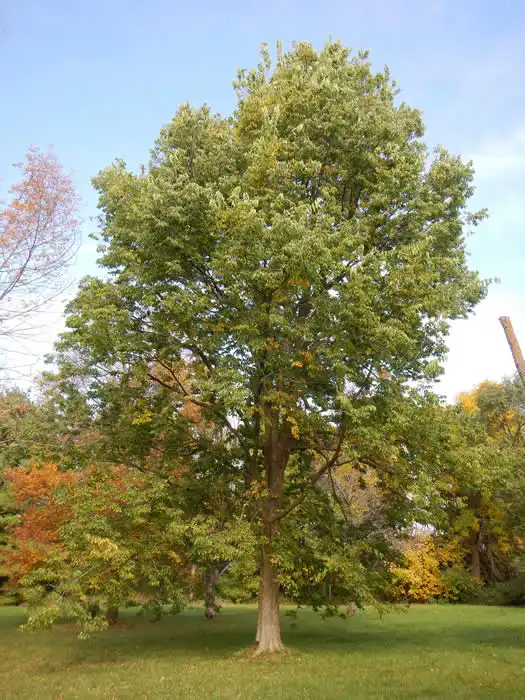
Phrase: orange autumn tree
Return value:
(164, 448)
(34, 490)
(97, 540)
(38, 239)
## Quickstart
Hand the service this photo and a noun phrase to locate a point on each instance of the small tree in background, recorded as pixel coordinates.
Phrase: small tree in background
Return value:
(38, 239)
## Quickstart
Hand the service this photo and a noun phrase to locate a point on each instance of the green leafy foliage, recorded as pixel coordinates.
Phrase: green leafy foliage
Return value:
(289, 271)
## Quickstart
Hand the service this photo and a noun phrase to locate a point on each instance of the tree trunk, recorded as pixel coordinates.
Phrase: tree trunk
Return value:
(269, 623)
(477, 540)
(259, 598)
(475, 565)
(514, 345)
(112, 616)
(276, 452)
(210, 580)
(476, 504)
(193, 578)
(94, 609)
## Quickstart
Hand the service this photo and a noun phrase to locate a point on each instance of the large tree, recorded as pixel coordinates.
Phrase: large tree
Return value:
(304, 256)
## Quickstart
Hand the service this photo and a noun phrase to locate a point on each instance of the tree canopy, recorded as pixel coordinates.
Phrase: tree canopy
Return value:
(38, 239)
(303, 257)
(290, 272)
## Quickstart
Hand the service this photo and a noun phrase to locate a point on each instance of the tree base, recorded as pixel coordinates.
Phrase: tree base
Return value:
(269, 649)
(112, 616)
(210, 613)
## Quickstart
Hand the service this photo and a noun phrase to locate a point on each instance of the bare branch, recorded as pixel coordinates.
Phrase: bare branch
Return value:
(39, 238)
(315, 477)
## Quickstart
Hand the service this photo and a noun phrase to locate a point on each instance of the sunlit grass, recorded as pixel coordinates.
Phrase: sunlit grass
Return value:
(429, 652)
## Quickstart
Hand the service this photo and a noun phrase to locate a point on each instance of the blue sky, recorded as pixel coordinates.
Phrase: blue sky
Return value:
(98, 79)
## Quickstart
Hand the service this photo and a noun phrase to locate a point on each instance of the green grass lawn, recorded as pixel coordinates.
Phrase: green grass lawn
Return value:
(428, 652)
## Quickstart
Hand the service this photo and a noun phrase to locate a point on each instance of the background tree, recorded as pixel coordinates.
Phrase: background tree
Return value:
(38, 239)
(133, 424)
(474, 545)
(37, 531)
(20, 435)
(53, 429)
(107, 537)
(305, 256)
(492, 495)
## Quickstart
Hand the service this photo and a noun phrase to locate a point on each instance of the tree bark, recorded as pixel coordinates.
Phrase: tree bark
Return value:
(259, 598)
(514, 345)
(475, 565)
(476, 503)
(193, 578)
(112, 616)
(276, 452)
(210, 580)
(268, 622)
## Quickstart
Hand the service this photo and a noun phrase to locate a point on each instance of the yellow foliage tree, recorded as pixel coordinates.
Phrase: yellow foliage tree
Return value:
(417, 579)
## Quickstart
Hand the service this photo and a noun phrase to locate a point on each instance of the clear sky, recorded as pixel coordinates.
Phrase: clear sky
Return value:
(98, 78)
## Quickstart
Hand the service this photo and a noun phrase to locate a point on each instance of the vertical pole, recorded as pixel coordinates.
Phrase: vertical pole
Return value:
(514, 345)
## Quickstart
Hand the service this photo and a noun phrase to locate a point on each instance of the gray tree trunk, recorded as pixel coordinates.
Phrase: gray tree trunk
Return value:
(210, 580)
(268, 620)
(276, 453)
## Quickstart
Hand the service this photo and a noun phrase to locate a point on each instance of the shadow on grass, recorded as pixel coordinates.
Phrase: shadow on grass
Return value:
(189, 635)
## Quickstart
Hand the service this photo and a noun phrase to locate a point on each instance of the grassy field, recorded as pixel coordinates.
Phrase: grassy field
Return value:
(428, 652)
